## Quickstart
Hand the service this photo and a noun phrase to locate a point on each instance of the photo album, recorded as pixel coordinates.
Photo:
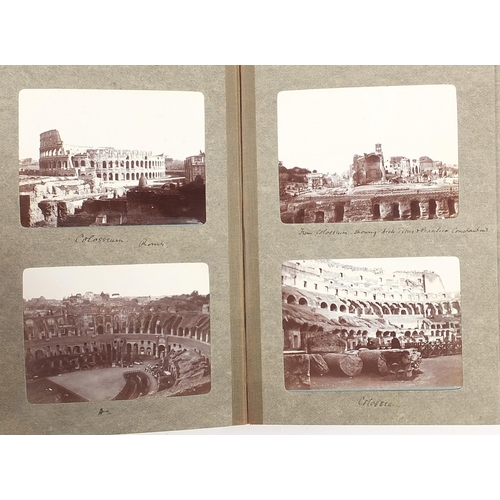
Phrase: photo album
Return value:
(189, 247)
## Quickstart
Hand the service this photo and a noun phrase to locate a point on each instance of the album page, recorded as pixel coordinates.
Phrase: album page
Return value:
(371, 275)
(121, 239)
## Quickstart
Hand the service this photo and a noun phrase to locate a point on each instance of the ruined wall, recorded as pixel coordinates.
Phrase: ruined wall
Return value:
(441, 204)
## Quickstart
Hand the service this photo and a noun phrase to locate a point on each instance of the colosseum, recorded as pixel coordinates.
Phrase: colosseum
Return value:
(81, 186)
(96, 332)
(108, 164)
(359, 303)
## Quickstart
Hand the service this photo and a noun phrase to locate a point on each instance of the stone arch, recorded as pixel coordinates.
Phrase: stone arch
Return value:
(333, 307)
(324, 305)
(319, 217)
(414, 210)
(432, 209)
(338, 212)
(430, 310)
(395, 212)
(303, 301)
(291, 299)
(451, 207)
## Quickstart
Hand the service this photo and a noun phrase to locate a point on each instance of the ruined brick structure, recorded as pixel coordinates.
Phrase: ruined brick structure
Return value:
(351, 300)
(116, 327)
(368, 168)
(194, 167)
(413, 204)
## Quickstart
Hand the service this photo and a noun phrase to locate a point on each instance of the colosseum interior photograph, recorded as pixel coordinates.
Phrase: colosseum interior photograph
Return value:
(372, 324)
(101, 333)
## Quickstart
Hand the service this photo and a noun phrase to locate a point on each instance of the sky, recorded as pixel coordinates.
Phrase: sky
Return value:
(170, 122)
(323, 129)
(448, 268)
(127, 280)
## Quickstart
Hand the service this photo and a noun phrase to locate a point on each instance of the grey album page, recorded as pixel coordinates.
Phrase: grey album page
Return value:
(372, 195)
(120, 250)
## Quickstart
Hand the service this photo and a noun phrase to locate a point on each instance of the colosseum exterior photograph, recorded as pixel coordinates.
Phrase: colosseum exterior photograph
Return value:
(368, 154)
(111, 157)
(101, 333)
(372, 324)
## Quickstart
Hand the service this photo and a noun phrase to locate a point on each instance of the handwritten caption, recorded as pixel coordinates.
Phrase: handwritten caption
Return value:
(374, 403)
(404, 231)
(142, 243)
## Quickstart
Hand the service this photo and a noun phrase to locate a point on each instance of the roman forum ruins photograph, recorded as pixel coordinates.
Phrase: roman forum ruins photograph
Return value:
(111, 157)
(356, 324)
(368, 154)
(102, 333)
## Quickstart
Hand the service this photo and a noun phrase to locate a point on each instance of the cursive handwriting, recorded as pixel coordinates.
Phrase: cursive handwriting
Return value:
(81, 238)
(146, 243)
(374, 403)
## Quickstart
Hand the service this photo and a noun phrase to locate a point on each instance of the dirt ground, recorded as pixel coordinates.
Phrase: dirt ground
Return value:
(444, 372)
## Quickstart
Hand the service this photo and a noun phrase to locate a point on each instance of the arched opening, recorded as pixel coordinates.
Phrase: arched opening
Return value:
(414, 210)
(333, 307)
(100, 330)
(324, 305)
(343, 308)
(395, 211)
(338, 213)
(432, 209)
(290, 299)
(303, 301)
(320, 217)
(376, 211)
(451, 206)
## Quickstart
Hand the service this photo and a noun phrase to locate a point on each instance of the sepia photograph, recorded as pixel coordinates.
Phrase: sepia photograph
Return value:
(102, 333)
(368, 154)
(356, 324)
(111, 157)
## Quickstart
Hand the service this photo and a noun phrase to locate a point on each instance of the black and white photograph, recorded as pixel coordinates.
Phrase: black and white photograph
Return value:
(356, 324)
(368, 154)
(102, 333)
(111, 157)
